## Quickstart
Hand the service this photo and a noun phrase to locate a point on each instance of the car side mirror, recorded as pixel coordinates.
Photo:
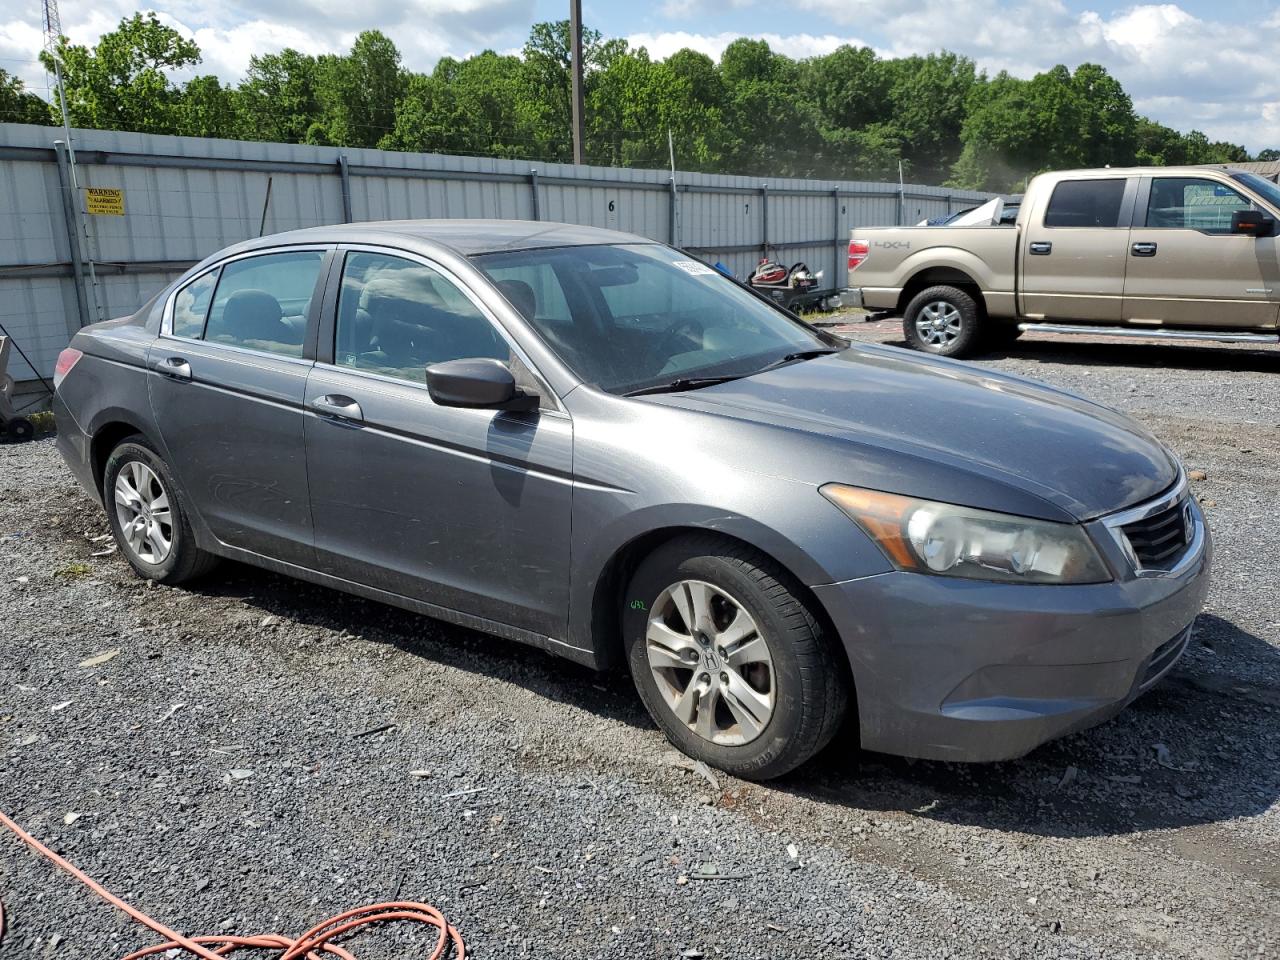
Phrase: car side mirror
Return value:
(1253, 223)
(479, 384)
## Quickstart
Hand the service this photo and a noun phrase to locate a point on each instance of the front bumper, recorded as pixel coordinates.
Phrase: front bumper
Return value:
(952, 669)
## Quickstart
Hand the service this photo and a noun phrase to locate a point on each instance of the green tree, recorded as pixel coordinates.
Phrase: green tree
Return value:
(483, 105)
(927, 98)
(1268, 156)
(206, 108)
(122, 83)
(277, 100)
(848, 114)
(19, 106)
(1161, 146)
(1108, 130)
(774, 129)
(1056, 120)
(357, 93)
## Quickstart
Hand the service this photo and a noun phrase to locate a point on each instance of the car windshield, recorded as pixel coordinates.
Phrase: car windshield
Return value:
(630, 317)
(1267, 190)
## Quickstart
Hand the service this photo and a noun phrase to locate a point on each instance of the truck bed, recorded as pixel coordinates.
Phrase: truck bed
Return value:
(896, 257)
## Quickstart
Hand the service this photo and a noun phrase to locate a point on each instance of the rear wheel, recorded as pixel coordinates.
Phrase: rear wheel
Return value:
(942, 320)
(146, 515)
(729, 659)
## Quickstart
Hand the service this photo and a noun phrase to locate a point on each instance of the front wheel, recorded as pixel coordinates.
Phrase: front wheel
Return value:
(151, 529)
(943, 321)
(729, 659)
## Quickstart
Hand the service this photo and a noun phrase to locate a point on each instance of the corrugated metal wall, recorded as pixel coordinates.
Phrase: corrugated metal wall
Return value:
(185, 198)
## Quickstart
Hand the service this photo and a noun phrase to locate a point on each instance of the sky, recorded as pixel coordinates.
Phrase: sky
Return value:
(1204, 64)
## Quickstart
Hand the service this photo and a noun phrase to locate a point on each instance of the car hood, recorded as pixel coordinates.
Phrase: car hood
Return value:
(902, 415)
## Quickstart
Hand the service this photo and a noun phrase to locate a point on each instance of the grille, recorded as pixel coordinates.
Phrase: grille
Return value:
(1159, 540)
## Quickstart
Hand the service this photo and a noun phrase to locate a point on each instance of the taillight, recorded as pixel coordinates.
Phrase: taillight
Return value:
(858, 250)
(66, 360)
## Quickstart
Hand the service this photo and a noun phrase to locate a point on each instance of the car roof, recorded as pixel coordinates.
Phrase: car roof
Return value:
(1183, 171)
(464, 237)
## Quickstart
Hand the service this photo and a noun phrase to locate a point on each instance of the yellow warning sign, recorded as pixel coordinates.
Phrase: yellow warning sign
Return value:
(105, 201)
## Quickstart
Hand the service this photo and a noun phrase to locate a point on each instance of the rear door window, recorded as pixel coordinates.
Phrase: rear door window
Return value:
(1085, 203)
(262, 303)
(1192, 203)
(191, 306)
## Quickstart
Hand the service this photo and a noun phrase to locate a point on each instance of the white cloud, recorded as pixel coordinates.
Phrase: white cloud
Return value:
(688, 9)
(1182, 70)
(228, 32)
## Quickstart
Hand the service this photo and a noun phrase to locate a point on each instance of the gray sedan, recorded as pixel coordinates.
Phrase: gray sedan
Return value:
(598, 445)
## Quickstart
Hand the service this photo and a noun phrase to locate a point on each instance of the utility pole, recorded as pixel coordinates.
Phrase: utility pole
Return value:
(53, 46)
(575, 51)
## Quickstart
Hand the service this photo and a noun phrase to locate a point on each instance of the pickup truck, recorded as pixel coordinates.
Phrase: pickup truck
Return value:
(1160, 252)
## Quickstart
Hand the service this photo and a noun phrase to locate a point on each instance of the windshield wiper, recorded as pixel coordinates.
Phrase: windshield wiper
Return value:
(800, 355)
(694, 383)
(683, 383)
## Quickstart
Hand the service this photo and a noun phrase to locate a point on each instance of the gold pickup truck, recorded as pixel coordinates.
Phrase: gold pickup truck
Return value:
(1161, 252)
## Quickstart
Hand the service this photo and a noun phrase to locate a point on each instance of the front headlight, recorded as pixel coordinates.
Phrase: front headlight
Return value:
(950, 541)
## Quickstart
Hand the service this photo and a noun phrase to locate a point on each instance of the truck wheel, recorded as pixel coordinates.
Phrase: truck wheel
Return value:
(943, 321)
(729, 659)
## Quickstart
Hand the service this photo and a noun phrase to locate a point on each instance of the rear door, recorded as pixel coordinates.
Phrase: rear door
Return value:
(1186, 267)
(228, 375)
(465, 509)
(1075, 249)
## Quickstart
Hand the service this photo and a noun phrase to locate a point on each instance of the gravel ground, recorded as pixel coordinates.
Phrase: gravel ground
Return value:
(220, 771)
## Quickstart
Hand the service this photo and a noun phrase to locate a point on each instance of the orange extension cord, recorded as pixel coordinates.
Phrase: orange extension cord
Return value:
(311, 944)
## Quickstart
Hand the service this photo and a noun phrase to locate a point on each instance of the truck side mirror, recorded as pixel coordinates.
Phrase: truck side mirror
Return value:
(1253, 223)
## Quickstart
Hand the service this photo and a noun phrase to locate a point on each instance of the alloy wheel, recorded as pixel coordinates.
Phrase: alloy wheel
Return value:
(710, 662)
(939, 323)
(143, 511)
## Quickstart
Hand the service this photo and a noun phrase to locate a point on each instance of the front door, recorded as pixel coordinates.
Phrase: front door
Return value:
(1072, 261)
(1186, 267)
(465, 509)
(227, 380)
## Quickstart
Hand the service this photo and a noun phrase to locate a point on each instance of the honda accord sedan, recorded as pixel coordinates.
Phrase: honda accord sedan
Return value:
(596, 444)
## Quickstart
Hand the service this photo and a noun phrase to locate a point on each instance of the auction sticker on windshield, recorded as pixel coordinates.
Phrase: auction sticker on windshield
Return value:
(693, 267)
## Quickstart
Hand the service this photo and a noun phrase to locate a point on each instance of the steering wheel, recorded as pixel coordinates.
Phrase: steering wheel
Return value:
(658, 351)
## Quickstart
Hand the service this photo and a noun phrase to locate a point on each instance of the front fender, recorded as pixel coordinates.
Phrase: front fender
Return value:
(815, 544)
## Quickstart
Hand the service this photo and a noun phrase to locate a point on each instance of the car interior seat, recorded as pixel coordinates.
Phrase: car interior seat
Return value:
(521, 296)
(253, 318)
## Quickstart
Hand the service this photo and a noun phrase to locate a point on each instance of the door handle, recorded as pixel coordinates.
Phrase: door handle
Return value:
(1144, 249)
(1040, 248)
(175, 368)
(337, 406)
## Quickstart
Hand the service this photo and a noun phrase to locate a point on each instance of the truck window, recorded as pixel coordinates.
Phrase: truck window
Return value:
(1190, 203)
(1085, 203)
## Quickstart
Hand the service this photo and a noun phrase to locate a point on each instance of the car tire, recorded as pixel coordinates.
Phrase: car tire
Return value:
(139, 494)
(799, 674)
(944, 321)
